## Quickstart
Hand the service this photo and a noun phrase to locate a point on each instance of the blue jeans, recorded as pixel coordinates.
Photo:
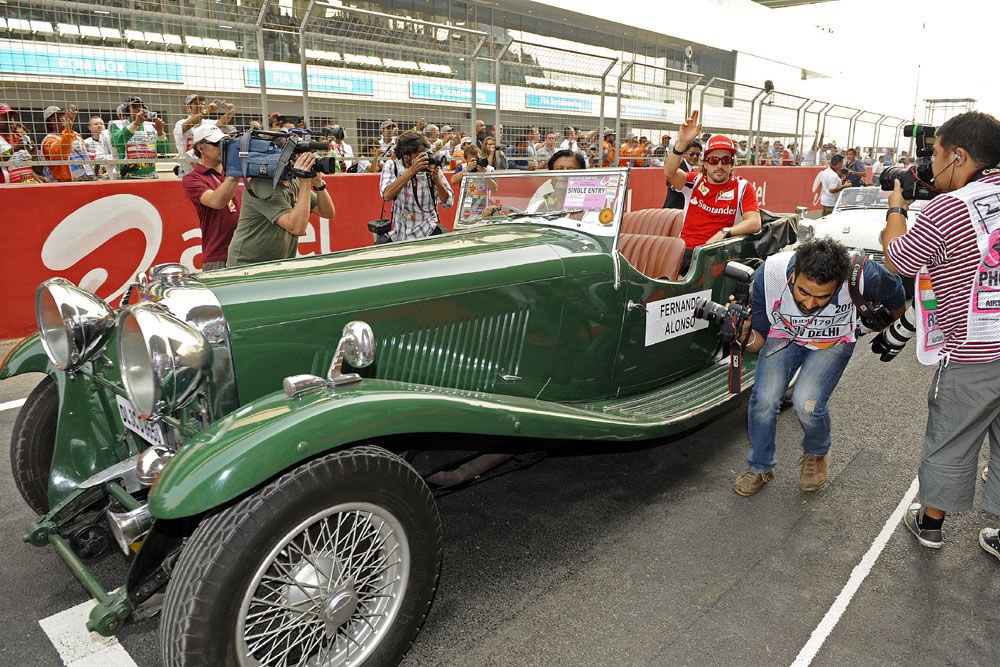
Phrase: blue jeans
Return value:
(821, 371)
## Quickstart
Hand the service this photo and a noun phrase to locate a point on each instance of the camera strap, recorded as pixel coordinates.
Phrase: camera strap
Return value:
(874, 317)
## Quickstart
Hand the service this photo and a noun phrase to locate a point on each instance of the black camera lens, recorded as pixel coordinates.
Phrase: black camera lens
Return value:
(710, 311)
(326, 165)
(482, 162)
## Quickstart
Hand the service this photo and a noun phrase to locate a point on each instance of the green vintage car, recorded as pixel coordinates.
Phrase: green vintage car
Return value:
(256, 439)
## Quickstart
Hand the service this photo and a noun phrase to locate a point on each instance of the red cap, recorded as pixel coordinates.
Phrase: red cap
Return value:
(5, 109)
(665, 136)
(720, 142)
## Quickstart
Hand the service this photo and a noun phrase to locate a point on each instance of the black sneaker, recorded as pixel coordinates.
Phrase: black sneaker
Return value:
(989, 539)
(928, 538)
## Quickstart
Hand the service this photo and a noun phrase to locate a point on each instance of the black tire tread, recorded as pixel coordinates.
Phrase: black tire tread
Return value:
(190, 587)
(30, 463)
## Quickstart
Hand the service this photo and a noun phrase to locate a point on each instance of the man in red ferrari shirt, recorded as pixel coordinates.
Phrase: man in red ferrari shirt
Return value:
(720, 205)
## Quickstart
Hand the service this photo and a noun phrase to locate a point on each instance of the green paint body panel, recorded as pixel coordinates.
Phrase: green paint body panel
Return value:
(274, 433)
(27, 356)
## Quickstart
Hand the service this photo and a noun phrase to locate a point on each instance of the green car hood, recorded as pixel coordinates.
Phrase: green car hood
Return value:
(459, 310)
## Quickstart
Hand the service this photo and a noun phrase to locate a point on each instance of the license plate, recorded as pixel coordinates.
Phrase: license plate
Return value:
(151, 433)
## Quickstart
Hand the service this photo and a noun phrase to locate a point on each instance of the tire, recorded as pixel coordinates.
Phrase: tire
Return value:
(373, 537)
(32, 442)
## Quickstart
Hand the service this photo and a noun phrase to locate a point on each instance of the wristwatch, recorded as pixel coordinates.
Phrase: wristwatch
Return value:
(677, 152)
(896, 209)
(728, 231)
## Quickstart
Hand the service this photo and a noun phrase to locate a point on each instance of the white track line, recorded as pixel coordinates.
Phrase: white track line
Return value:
(10, 405)
(79, 648)
(861, 570)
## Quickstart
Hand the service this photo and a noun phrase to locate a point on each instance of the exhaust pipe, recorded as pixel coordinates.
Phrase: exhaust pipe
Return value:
(127, 527)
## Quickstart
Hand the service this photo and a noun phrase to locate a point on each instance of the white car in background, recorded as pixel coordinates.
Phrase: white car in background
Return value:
(857, 220)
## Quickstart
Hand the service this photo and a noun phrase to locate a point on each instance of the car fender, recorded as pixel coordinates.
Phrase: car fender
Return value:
(27, 356)
(274, 433)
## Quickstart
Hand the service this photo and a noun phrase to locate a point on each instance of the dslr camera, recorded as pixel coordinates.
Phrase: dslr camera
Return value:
(916, 179)
(439, 160)
(730, 320)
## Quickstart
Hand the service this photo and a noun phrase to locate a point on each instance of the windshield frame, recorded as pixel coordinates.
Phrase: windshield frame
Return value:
(608, 231)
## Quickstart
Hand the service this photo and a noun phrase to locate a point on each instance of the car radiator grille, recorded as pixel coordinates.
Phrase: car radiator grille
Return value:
(466, 354)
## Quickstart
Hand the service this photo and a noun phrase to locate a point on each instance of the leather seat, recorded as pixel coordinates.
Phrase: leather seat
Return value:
(658, 257)
(655, 221)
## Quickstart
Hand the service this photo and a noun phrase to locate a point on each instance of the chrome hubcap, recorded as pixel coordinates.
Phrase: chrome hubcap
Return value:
(329, 591)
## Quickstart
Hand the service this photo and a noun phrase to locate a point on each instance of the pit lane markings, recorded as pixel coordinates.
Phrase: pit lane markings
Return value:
(861, 570)
(77, 647)
(10, 405)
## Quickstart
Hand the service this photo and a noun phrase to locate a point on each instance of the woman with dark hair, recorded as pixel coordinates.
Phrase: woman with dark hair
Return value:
(566, 159)
(416, 187)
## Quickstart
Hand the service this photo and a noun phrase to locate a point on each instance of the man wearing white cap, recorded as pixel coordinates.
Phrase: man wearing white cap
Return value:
(64, 143)
(213, 195)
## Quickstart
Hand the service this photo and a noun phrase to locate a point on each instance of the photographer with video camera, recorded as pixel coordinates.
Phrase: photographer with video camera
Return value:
(804, 319)
(953, 249)
(269, 229)
(415, 184)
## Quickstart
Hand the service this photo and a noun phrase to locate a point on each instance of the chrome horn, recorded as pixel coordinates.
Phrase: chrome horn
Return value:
(127, 527)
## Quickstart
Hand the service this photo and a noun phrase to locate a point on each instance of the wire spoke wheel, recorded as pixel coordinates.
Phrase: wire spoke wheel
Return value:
(328, 590)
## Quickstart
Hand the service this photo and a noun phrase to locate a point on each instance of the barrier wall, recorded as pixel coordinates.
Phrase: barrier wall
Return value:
(99, 235)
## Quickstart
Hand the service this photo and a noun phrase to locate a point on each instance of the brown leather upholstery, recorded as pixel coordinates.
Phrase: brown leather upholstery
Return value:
(658, 257)
(655, 221)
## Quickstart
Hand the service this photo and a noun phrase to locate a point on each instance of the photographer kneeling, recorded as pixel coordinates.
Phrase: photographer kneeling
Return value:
(269, 229)
(803, 318)
(416, 186)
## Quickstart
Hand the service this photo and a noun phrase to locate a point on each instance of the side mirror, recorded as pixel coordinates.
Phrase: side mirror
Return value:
(357, 346)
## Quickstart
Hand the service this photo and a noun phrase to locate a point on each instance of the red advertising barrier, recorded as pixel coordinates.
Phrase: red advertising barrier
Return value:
(99, 235)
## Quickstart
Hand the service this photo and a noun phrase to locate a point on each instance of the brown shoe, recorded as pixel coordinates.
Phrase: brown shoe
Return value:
(750, 482)
(814, 473)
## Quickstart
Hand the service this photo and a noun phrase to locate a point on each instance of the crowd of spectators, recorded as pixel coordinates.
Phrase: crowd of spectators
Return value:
(128, 145)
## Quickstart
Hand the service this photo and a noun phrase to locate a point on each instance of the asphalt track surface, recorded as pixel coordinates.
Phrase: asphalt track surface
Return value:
(642, 555)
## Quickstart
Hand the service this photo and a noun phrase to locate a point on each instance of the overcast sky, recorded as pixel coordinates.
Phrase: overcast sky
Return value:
(871, 50)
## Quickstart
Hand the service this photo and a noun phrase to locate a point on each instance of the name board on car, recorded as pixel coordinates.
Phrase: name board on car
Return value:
(673, 317)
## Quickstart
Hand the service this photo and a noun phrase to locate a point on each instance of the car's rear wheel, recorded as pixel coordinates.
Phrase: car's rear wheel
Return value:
(334, 563)
(32, 443)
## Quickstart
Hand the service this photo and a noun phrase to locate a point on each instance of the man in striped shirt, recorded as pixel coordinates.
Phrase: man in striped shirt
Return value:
(954, 248)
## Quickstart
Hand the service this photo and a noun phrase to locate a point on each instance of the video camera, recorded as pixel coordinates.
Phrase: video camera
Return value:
(915, 180)
(265, 152)
(732, 319)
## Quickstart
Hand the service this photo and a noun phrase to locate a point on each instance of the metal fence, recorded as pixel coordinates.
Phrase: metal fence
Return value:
(318, 63)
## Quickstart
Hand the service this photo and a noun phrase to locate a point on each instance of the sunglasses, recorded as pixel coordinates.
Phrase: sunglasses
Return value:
(694, 154)
(716, 159)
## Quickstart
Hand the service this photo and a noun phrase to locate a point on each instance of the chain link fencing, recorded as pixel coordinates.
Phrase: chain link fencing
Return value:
(317, 64)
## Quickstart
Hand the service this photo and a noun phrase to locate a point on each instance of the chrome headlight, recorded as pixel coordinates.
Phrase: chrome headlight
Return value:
(806, 232)
(162, 359)
(72, 323)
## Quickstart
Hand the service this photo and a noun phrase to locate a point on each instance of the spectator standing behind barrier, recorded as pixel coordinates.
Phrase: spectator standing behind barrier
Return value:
(877, 168)
(196, 109)
(659, 151)
(955, 241)
(803, 319)
(742, 153)
(99, 147)
(64, 143)
(416, 188)
(608, 150)
(387, 142)
(16, 147)
(269, 229)
(213, 195)
(338, 146)
(137, 140)
(630, 153)
(494, 154)
(368, 162)
(569, 142)
(832, 183)
(688, 162)
(855, 169)
(546, 150)
(470, 164)
(720, 204)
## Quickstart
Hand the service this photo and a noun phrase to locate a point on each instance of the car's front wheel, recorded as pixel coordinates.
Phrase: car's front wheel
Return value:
(32, 443)
(334, 563)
